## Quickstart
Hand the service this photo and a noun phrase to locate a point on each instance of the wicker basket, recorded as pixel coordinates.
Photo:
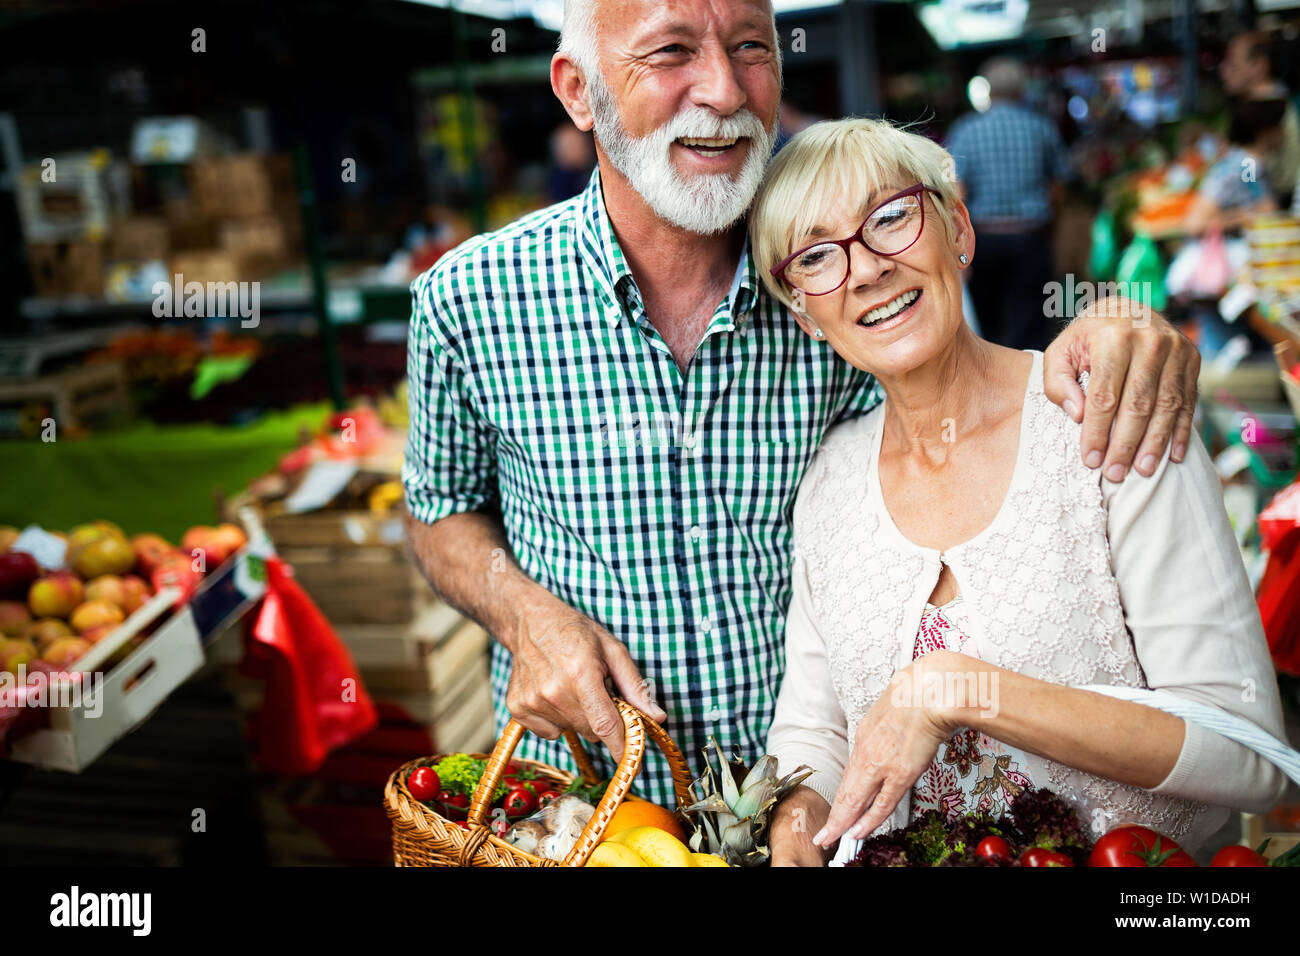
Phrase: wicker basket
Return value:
(422, 837)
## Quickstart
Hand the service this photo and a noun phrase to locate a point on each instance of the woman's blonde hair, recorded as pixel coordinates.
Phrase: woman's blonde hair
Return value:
(833, 168)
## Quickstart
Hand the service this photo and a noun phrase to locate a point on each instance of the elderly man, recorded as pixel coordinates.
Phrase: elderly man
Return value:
(610, 417)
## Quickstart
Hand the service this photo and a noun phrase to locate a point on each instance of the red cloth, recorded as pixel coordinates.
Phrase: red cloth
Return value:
(314, 700)
(1279, 589)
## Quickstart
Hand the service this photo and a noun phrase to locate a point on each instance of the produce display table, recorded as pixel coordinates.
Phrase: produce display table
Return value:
(148, 477)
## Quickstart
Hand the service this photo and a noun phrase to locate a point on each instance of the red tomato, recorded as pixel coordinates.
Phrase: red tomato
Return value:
(1037, 856)
(520, 802)
(546, 796)
(423, 783)
(1238, 856)
(456, 804)
(1137, 846)
(993, 848)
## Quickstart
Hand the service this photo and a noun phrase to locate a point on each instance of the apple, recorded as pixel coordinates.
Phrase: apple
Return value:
(97, 633)
(65, 651)
(94, 614)
(83, 534)
(231, 535)
(46, 631)
(137, 593)
(149, 550)
(14, 652)
(18, 570)
(13, 617)
(213, 544)
(177, 570)
(55, 595)
(8, 535)
(107, 587)
(107, 554)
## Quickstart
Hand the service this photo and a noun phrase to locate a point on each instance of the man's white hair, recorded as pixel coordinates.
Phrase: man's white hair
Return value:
(578, 35)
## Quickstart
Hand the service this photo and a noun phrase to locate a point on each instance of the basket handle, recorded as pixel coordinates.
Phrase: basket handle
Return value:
(636, 725)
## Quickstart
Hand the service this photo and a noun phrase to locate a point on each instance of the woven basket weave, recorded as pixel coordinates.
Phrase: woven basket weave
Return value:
(423, 837)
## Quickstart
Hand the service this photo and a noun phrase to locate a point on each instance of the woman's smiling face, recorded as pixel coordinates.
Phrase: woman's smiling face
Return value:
(893, 313)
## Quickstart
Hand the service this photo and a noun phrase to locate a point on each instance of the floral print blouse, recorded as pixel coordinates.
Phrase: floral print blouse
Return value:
(972, 771)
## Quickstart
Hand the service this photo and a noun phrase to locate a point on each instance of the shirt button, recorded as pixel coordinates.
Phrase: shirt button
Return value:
(706, 625)
(696, 533)
(714, 714)
(689, 440)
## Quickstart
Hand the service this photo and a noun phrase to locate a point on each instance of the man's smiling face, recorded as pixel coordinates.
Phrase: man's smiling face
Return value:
(685, 103)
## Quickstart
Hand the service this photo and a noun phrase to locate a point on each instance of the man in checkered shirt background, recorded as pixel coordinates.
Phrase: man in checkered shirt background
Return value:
(1010, 161)
(610, 416)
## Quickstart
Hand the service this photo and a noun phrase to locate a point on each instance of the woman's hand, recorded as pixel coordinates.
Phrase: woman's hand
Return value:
(794, 820)
(1141, 386)
(893, 745)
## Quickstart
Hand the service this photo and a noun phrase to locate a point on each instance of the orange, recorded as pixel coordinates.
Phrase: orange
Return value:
(642, 813)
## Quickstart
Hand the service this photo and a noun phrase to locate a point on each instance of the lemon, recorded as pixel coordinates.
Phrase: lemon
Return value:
(707, 859)
(653, 845)
(613, 854)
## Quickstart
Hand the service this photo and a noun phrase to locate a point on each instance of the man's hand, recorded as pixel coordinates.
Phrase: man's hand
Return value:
(1141, 386)
(561, 662)
(794, 821)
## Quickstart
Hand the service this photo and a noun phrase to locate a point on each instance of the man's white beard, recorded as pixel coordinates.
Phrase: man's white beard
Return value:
(708, 203)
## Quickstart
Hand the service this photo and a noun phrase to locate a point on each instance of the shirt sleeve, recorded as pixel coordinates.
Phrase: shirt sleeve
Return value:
(864, 396)
(450, 465)
(809, 727)
(1195, 627)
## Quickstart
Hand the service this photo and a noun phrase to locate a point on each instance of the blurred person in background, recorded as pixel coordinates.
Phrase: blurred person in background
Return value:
(1248, 73)
(572, 159)
(1237, 186)
(1011, 165)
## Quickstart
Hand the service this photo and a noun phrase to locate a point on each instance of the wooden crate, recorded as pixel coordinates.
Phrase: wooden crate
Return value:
(360, 584)
(73, 397)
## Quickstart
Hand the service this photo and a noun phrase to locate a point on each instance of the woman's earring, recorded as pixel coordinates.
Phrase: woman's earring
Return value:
(963, 258)
(818, 333)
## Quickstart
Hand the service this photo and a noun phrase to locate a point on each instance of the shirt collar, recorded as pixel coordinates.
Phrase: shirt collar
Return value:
(601, 252)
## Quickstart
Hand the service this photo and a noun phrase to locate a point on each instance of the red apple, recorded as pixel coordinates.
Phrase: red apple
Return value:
(13, 618)
(94, 614)
(137, 593)
(97, 633)
(177, 571)
(210, 543)
(55, 595)
(149, 550)
(18, 570)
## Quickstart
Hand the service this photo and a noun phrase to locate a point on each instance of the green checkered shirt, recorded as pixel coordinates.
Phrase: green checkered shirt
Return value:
(655, 501)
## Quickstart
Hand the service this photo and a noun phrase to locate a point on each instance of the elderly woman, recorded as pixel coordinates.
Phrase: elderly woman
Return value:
(960, 576)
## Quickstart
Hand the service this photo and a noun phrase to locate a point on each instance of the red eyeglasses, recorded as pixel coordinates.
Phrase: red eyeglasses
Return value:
(892, 227)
